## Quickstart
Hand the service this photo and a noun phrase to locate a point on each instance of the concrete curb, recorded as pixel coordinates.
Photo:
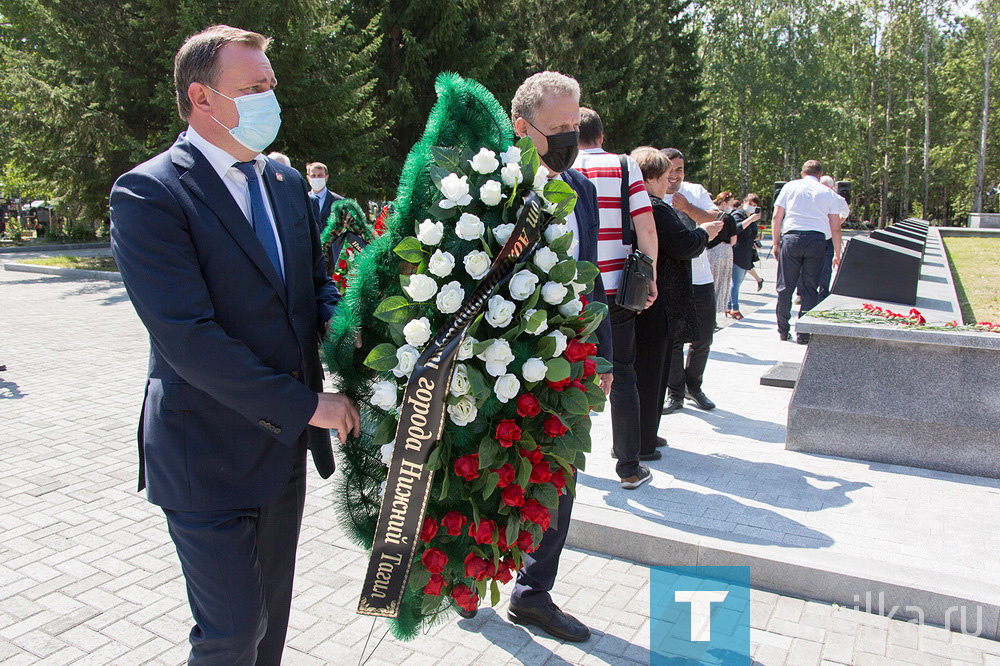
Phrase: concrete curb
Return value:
(78, 273)
(854, 582)
(51, 248)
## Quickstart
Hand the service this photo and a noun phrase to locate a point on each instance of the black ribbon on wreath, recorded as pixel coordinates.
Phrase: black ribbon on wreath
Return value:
(421, 420)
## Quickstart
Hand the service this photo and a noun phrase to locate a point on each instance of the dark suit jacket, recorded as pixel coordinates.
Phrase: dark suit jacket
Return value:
(234, 363)
(587, 218)
(323, 214)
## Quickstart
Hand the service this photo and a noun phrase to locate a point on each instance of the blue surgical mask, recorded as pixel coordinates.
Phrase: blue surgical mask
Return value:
(260, 119)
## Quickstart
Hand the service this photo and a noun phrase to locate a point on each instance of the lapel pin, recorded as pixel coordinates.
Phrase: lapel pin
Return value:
(279, 177)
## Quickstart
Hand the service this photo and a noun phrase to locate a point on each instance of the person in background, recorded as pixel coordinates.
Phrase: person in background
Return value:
(281, 158)
(323, 199)
(720, 252)
(746, 217)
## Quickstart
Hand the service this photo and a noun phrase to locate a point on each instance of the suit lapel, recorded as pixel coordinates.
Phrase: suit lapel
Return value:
(586, 217)
(203, 181)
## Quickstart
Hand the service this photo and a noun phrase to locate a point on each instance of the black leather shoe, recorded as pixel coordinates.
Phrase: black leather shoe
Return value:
(660, 441)
(655, 455)
(785, 337)
(673, 404)
(551, 620)
(468, 615)
(802, 338)
(701, 400)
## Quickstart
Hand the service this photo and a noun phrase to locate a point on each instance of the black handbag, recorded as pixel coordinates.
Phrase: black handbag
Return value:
(638, 271)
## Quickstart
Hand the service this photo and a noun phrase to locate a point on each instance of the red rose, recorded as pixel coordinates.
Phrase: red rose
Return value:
(589, 367)
(506, 474)
(342, 265)
(505, 572)
(507, 433)
(583, 299)
(477, 568)
(525, 541)
(590, 348)
(540, 472)
(512, 495)
(435, 560)
(453, 522)
(558, 386)
(464, 597)
(429, 530)
(483, 532)
(535, 455)
(502, 544)
(553, 427)
(528, 406)
(558, 479)
(434, 586)
(467, 467)
(575, 351)
(534, 512)
(576, 383)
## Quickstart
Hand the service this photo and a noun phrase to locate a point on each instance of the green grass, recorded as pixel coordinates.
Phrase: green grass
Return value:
(103, 263)
(975, 267)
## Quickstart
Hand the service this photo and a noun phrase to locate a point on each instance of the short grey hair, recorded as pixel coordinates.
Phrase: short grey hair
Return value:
(197, 60)
(529, 96)
(829, 182)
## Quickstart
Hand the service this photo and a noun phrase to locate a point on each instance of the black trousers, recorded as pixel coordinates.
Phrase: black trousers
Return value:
(239, 566)
(624, 395)
(653, 348)
(538, 575)
(800, 263)
(825, 275)
(681, 376)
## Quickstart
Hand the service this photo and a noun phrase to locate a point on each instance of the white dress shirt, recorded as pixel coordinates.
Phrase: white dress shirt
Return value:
(699, 197)
(808, 205)
(236, 182)
(321, 196)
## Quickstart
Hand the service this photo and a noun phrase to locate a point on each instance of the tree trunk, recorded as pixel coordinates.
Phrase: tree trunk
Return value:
(927, 113)
(977, 203)
(871, 123)
(883, 211)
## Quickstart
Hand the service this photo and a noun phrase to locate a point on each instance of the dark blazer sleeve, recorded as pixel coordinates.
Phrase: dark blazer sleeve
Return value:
(586, 206)
(676, 241)
(152, 245)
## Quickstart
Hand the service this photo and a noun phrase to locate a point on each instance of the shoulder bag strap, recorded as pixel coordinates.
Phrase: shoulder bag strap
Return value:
(628, 229)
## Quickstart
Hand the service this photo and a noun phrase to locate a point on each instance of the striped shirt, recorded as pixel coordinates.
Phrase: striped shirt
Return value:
(604, 170)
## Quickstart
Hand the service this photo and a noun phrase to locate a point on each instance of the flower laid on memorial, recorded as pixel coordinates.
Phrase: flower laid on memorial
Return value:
(876, 314)
(347, 232)
(516, 406)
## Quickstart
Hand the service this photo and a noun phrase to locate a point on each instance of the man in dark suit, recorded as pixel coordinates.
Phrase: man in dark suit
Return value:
(322, 198)
(547, 108)
(219, 254)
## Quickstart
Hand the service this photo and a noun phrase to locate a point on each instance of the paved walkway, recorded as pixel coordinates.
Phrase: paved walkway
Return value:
(88, 575)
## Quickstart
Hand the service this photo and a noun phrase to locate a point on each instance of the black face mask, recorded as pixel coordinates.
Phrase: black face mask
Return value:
(563, 149)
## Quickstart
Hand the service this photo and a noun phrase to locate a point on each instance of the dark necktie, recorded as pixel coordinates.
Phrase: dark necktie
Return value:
(258, 215)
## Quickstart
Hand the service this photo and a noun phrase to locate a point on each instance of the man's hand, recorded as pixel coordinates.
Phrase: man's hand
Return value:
(604, 381)
(651, 294)
(681, 203)
(836, 260)
(712, 228)
(338, 412)
(750, 220)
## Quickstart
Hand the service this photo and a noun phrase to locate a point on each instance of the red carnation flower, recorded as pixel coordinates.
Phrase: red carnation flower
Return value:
(553, 427)
(434, 586)
(528, 406)
(429, 530)
(534, 512)
(483, 532)
(464, 597)
(525, 541)
(575, 352)
(467, 467)
(508, 432)
(453, 522)
(558, 386)
(435, 560)
(512, 495)
(540, 472)
(558, 479)
(589, 367)
(478, 568)
(506, 474)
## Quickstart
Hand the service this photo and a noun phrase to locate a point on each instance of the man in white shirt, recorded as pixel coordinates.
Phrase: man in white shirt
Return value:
(806, 215)
(694, 206)
(318, 175)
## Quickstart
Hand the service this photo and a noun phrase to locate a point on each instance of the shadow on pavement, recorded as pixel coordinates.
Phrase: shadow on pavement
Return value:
(10, 391)
(731, 423)
(115, 291)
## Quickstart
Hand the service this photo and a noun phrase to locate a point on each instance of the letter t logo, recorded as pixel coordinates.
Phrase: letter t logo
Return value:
(701, 610)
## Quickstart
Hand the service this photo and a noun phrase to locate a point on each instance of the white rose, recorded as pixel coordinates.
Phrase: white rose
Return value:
(450, 298)
(502, 232)
(417, 331)
(490, 193)
(533, 370)
(381, 489)
(545, 258)
(571, 309)
(485, 161)
(554, 293)
(441, 263)
(540, 328)
(511, 175)
(577, 288)
(499, 311)
(523, 284)
(477, 264)
(463, 412)
(498, 356)
(430, 233)
(469, 227)
(421, 287)
(386, 450)
(460, 384)
(560, 338)
(506, 387)
(406, 358)
(512, 154)
(541, 177)
(465, 349)
(384, 395)
(455, 190)
(554, 231)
